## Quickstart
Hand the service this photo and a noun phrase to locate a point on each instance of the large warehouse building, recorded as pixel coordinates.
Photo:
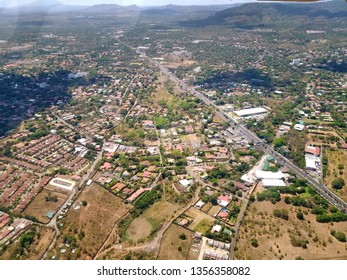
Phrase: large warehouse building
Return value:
(250, 112)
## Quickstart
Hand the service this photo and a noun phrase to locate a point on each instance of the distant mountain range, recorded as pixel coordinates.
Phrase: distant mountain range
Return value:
(247, 15)
(260, 14)
(110, 9)
(53, 6)
(42, 6)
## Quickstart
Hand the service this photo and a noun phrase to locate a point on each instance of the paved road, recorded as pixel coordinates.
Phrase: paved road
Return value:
(321, 189)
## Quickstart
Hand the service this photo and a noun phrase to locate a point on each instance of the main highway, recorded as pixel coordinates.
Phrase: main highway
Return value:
(251, 137)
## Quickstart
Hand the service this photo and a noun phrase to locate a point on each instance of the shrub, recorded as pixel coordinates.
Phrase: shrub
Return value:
(300, 215)
(340, 236)
(254, 243)
(298, 242)
(283, 214)
(182, 236)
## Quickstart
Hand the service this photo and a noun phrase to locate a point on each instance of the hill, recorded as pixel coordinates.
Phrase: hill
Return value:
(253, 15)
(111, 9)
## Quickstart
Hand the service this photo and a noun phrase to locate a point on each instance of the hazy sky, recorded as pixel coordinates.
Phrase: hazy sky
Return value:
(127, 2)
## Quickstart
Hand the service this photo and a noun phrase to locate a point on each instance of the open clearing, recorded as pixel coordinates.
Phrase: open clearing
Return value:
(214, 210)
(39, 207)
(334, 159)
(197, 216)
(158, 213)
(87, 228)
(190, 138)
(203, 226)
(183, 63)
(35, 251)
(274, 235)
(161, 93)
(172, 246)
(206, 207)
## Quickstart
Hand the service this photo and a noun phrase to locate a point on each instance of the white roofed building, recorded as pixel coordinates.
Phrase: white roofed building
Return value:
(269, 183)
(250, 112)
(299, 127)
(260, 175)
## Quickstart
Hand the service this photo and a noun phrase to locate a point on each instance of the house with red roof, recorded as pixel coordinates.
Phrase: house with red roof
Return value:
(223, 215)
(312, 150)
(106, 166)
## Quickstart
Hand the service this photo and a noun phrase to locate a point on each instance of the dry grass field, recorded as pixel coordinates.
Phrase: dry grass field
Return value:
(323, 137)
(197, 216)
(87, 228)
(274, 235)
(161, 93)
(217, 119)
(39, 207)
(172, 246)
(206, 207)
(334, 159)
(157, 214)
(133, 254)
(214, 210)
(190, 138)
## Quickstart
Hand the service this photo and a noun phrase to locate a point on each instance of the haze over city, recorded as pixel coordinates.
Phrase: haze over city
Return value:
(127, 2)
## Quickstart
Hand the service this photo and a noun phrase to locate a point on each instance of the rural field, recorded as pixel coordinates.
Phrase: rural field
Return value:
(30, 245)
(89, 223)
(318, 138)
(45, 202)
(198, 218)
(175, 243)
(337, 167)
(159, 213)
(274, 235)
(161, 93)
(127, 254)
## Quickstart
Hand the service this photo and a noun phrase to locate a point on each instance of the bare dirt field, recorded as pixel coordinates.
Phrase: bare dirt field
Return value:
(39, 207)
(87, 228)
(35, 251)
(217, 119)
(334, 159)
(274, 235)
(190, 138)
(158, 213)
(172, 246)
(197, 216)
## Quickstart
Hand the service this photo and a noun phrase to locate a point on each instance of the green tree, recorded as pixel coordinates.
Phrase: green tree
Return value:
(338, 183)
(279, 142)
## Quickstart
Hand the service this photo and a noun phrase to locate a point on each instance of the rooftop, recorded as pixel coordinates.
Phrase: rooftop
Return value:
(252, 111)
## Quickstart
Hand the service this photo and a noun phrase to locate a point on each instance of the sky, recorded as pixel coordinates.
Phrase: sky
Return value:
(4, 3)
